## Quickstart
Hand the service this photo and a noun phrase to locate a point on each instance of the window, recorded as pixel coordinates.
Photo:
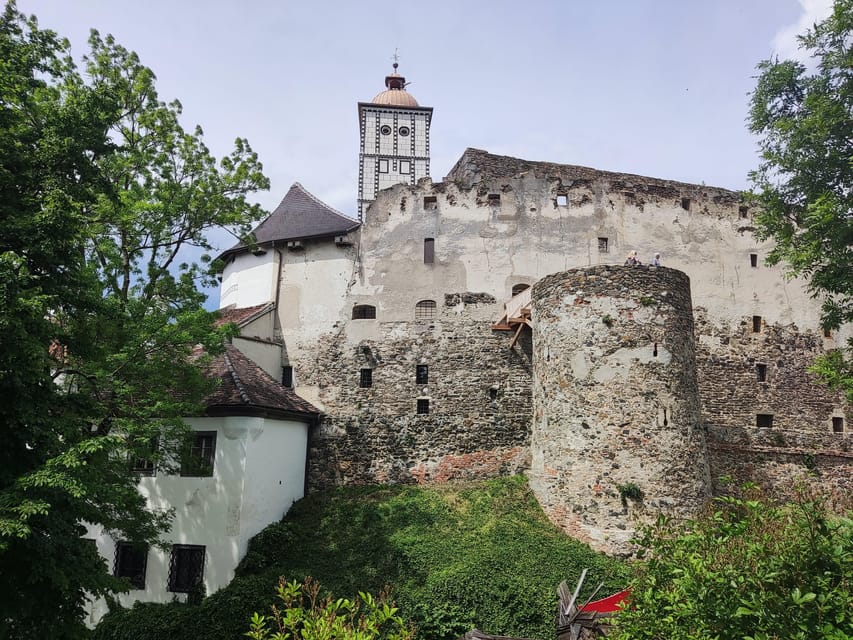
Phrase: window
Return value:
(518, 288)
(761, 372)
(562, 200)
(365, 378)
(385, 130)
(685, 204)
(363, 312)
(494, 199)
(198, 456)
(756, 324)
(743, 210)
(186, 567)
(383, 165)
(602, 245)
(493, 393)
(430, 203)
(405, 167)
(827, 332)
(130, 563)
(143, 462)
(403, 131)
(837, 424)
(287, 377)
(764, 421)
(425, 310)
(423, 406)
(429, 250)
(753, 260)
(422, 374)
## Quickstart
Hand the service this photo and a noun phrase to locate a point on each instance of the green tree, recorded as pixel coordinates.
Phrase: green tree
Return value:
(302, 614)
(103, 195)
(804, 184)
(749, 570)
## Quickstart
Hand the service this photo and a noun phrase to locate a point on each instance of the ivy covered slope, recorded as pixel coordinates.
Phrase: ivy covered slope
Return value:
(455, 556)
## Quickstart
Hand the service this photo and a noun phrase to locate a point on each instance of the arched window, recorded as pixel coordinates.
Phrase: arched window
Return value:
(425, 310)
(363, 312)
(518, 288)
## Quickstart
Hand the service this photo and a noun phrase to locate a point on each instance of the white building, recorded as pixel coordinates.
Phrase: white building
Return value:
(248, 466)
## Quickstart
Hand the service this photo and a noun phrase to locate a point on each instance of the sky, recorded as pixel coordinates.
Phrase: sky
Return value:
(652, 87)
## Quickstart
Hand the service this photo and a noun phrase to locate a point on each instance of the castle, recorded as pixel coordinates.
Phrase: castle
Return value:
(486, 325)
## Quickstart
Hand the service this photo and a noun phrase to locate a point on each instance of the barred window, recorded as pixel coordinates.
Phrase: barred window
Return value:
(363, 312)
(365, 378)
(198, 456)
(130, 563)
(425, 310)
(186, 567)
(423, 406)
(422, 374)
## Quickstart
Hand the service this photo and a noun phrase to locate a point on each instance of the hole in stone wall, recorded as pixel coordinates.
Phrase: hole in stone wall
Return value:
(493, 394)
(837, 424)
(423, 406)
(761, 372)
(743, 210)
(655, 350)
(365, 378)
(363, 312)
(756, 324)
(764, 421)
(685, 204)
(827, 333)
(429, 250)
(753, 260)
(665, 417)
(494, 199)
(602, 245)
(422, 374)
(562, 200)
(430, 202)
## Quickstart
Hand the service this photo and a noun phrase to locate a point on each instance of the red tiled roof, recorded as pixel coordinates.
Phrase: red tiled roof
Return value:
(246, 389)
(239, 315)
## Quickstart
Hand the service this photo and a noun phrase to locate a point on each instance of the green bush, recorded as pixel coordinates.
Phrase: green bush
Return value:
(749, 570)
(455, 557)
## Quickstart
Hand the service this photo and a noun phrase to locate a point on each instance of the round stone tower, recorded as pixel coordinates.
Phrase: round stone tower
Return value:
(617, 433)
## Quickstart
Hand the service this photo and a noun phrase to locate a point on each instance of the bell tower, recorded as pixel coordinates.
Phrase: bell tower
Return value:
(394, 134)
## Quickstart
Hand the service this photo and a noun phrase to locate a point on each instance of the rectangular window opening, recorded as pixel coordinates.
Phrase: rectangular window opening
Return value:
(422, 374)
(429, 250)
(197, 459)
(287, 377)
(562, 200)
(131, 562)
(753, 260)
(144, 464)
(186, 567)
(405, 167)
(827, 332)
(494, 199)
(685, 204)
(761, 372)
(423, 406)
(744, 211)
(764, 421)
(383, 166)
(756, 324)
(837, 424)
(365, 378)
(430, 203)
(602, 245)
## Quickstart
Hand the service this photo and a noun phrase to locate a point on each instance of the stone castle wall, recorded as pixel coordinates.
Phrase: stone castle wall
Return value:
(616, 402)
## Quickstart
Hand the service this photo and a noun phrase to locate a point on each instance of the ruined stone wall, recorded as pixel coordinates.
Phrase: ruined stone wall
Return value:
(479, 404)
(616, 403)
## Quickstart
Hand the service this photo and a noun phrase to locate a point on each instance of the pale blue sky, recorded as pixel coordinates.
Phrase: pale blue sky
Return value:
(654, 87)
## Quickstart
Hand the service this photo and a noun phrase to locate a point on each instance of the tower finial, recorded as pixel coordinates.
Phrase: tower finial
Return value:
(396, 59)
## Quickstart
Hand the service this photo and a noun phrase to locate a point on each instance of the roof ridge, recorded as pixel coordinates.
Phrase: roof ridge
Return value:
(320, 202)
(241, 388)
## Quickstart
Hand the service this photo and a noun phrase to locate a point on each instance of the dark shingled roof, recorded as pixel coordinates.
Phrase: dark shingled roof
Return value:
(477, 166)
(299, 216)
(246, 389)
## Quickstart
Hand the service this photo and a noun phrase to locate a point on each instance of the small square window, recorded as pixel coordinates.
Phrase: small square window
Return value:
(365, 378)
(383, 166)
(761, 372)
(603, 245)
(764, 421)
(405, 167)
(422, 374)
(756, 324)
(131, 562)
(186, 567)
(197, 458)
(423, 406)
(429, 250)
(494, 199)
(562, 200)
(287, 377)
(430, 203)
(837, 424)
(753, 260)
(685, 204)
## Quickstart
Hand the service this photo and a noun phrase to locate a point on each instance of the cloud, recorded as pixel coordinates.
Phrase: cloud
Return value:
(785, 43)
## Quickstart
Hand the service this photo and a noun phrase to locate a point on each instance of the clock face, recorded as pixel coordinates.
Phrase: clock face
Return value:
(403, 131)
(385, 130)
